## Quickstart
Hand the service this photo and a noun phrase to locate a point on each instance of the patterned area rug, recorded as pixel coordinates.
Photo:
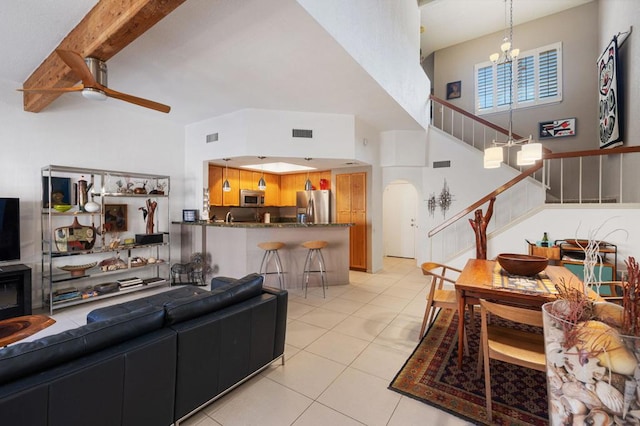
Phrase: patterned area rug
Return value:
(431, 375)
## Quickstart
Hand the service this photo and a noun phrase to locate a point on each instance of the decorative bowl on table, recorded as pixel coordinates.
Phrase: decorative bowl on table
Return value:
(522, 264)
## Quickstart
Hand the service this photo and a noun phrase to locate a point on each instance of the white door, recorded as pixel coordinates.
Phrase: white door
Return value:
(399, 219)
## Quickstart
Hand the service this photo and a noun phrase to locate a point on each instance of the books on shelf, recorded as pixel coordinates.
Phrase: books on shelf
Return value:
(129, 282)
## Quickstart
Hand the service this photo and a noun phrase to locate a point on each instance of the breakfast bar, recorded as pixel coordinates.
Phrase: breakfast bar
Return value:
(233, 248)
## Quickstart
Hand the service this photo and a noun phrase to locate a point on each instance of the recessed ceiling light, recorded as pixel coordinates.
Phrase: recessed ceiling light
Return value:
(278, 167)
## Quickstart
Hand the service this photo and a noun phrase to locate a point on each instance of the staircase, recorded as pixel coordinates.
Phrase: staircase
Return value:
(584, 178)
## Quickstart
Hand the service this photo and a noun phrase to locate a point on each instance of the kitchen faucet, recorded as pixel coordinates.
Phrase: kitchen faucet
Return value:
(228, 218)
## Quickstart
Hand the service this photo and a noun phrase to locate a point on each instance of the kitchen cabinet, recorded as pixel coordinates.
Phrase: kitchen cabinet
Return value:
(215, 185)
(248, 179)
(93, 253)
(294, 182)
(351, 207)
(272, 193)
(232, 198)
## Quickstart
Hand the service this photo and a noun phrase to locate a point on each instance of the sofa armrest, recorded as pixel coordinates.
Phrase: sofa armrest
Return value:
(282, 296)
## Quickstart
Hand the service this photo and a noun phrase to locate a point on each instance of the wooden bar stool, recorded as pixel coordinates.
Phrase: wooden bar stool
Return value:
(315, 251)
(271, 253)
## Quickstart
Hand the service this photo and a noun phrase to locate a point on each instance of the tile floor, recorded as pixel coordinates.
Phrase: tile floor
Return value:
(341, 353)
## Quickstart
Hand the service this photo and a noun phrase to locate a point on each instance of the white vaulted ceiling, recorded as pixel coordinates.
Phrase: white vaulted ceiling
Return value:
(211, 57)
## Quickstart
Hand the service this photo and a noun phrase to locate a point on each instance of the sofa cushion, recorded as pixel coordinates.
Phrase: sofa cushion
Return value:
(26, 358)
(234, 292)
(156, 300)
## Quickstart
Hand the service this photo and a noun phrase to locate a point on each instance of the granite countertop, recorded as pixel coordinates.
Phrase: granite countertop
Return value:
(264, 225)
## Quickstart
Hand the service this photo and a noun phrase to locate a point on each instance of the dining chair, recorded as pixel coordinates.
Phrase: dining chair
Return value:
(438, 297)
(507, 344)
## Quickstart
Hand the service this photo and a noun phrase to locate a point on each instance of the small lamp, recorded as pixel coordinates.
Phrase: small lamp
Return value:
(226, 186)
(262, 184)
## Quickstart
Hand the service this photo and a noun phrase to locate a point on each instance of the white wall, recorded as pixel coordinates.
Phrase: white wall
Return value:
(384, 38)
(74, 131)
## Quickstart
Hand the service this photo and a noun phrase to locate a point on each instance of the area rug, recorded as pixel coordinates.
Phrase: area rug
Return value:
(431, 375)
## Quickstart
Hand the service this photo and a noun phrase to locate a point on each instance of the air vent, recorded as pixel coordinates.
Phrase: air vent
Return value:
(302, 133)
(441, 164)
(213, 137)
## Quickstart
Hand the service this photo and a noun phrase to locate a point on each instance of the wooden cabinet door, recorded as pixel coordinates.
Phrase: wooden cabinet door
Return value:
(288, 190)
(215, 185)
(247, 180)
(232, 198)
(272, 193)
(351, 207)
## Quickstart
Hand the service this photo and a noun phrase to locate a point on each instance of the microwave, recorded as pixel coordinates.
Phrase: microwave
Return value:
(251, 198)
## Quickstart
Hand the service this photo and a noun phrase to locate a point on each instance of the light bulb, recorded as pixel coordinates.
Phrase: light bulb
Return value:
(262, 185)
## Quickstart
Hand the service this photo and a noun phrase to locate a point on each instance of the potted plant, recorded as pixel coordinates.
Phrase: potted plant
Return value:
(593, 353)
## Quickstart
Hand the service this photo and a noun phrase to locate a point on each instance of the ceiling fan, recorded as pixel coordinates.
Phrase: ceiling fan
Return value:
(93, 76)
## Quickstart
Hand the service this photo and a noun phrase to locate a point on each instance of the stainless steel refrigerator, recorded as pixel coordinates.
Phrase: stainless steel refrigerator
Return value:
(314, 205)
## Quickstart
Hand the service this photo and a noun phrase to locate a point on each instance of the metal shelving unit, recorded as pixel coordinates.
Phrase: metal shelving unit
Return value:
(77, 238)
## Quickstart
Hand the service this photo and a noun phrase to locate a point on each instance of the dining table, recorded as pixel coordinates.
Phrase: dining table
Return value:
(477, 281)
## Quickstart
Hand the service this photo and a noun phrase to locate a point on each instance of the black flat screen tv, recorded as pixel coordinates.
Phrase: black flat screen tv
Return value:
(9, 229)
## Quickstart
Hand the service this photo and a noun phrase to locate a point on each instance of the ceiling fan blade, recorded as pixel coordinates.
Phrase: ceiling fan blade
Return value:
(53, 89)
(135, 100)
(77, 64)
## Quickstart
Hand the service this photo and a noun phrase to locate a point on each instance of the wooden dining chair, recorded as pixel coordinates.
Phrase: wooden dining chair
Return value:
(438, 297)
(507, 344)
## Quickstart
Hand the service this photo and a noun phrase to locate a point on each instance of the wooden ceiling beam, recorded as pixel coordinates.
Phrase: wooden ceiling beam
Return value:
(107, 29)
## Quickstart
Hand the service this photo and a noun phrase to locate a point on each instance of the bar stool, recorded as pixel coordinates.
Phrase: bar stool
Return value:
(271, 253)
(315, 251)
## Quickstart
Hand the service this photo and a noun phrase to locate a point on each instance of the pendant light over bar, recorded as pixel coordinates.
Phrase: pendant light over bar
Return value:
(308, 186)
(226, 187)
(530, 152)
(262, 184)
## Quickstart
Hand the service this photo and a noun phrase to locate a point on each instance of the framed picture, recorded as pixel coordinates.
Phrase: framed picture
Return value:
(454, 89)
(609, 95)
(557, 128)
(115, 217)
(60, 191)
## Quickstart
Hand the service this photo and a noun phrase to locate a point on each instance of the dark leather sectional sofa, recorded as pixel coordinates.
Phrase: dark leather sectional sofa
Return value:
(151, 361)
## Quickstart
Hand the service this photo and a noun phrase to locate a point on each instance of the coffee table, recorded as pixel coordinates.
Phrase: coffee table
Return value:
(18, 328)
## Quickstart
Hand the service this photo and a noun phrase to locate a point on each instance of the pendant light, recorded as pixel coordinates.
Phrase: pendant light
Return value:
(262, 184)
(308, 186)
(226, 187)
(530, 152)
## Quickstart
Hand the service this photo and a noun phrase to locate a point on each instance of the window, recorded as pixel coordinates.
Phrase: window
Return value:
(537, 80)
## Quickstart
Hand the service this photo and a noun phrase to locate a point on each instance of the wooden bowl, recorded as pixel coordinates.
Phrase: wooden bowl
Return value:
(522, 264)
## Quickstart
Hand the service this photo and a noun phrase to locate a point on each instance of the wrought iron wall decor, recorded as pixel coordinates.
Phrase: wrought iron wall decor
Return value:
(443, 200)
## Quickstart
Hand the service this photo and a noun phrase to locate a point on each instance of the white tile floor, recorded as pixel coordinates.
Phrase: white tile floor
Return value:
(341, 354)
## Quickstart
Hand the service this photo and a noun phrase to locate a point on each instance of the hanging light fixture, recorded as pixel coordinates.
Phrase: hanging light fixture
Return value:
(262, 184)
(226, 187)
(308, 186)
(530, 152)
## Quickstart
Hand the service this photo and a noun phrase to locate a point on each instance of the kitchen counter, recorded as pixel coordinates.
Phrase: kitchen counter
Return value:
(265, 225)
(233, 248)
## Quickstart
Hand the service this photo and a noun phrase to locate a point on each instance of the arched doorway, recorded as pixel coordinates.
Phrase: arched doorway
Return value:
(399, 218)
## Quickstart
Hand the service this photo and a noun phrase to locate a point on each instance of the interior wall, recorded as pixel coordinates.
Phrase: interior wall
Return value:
(76, 132)
(385, 41)
(619, 16)
(575, 29)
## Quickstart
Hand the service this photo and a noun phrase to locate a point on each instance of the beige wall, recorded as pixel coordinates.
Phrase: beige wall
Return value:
(577, 30)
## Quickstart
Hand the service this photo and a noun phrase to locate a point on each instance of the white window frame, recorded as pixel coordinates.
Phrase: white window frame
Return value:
(516, 105)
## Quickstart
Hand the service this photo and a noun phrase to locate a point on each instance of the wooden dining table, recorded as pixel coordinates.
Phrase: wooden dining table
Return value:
(476, 282)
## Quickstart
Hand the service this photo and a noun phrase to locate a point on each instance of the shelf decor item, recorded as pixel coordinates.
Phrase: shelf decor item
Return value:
(75, 237)
(77, 270)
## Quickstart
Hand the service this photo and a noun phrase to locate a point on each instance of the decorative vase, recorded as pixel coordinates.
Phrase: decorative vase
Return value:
(593, 375)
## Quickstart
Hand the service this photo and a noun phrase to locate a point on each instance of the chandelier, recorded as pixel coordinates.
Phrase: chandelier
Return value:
(530, 152)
